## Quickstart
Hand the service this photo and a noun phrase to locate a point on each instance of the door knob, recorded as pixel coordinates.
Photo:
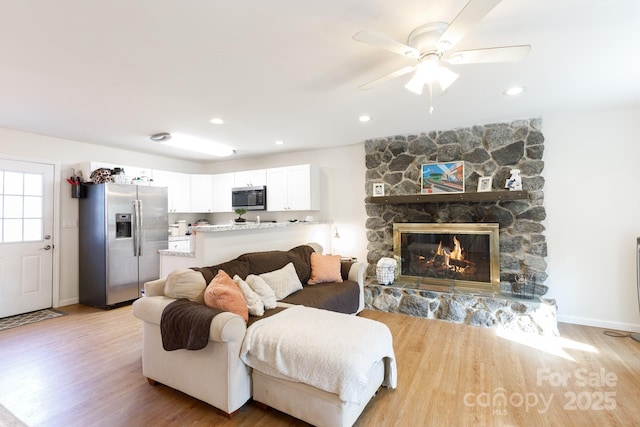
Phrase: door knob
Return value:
(47, 248)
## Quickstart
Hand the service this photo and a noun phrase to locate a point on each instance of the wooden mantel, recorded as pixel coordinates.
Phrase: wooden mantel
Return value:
(489, 196)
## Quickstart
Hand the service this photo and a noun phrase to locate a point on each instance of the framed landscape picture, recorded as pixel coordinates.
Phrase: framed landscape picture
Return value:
(439, 178)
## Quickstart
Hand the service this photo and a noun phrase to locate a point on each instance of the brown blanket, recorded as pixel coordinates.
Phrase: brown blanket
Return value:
(185, 325)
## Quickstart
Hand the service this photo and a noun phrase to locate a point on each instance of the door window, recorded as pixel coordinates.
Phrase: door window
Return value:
(21, 206)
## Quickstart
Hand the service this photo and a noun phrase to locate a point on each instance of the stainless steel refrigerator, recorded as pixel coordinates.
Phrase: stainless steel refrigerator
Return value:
(122, 227)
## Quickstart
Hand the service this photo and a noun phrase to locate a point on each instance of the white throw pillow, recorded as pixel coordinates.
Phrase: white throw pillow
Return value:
(254, 302)
(284, 282)
(261, 288)
(185, 283)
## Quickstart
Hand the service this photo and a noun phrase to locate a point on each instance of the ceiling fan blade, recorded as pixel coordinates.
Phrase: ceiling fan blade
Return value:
(468, 17)
(386, 43)
(495, 54)
(386, 78)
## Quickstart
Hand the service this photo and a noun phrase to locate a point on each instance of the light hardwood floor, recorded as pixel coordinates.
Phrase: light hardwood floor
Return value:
(84, 369)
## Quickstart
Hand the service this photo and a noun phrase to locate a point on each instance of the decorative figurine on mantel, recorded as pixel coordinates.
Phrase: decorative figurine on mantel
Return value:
(514, 183)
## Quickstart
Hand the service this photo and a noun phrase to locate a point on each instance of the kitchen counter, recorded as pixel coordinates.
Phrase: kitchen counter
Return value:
(179, 246)
(252, 226)
(214, 244)
(187, 253)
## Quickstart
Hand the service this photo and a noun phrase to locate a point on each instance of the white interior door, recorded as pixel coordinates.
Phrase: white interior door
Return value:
(26, 229)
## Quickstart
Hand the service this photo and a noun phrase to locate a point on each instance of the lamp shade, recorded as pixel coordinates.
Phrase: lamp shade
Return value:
(446, 77)
(429, 71)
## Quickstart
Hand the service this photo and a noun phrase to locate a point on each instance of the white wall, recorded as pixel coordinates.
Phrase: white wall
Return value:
(593, 216)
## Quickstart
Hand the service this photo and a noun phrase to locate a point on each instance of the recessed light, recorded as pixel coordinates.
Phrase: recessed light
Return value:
(279, 142)
(364, 118)
(515, 90)
(216, 121)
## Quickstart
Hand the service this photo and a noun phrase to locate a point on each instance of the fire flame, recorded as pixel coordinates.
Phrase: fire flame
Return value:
(457, 250)
(456, 253)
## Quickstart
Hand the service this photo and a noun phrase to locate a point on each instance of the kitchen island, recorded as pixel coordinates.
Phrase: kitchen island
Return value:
(214, 244)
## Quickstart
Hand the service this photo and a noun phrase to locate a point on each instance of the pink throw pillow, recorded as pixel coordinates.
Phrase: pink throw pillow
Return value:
(325, 268)
(223, 294)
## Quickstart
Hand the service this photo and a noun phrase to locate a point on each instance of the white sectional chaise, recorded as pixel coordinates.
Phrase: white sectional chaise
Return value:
(217, 375)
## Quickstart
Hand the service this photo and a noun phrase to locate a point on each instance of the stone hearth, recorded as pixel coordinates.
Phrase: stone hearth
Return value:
(536, 316)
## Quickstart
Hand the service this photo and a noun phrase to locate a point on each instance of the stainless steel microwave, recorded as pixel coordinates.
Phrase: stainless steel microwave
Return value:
(249, 198)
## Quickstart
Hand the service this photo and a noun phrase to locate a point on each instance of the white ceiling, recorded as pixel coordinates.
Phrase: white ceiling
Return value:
(114, 72)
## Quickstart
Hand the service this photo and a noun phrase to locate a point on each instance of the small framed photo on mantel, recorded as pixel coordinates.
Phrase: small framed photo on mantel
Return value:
(484, 184)
(378, 189)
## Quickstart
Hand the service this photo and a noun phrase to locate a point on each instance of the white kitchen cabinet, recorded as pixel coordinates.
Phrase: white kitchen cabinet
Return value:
(293, 188)
(252, 178)
(277, 189)
(169, 263)
(201, 193)
(179, 185)
(222, 184)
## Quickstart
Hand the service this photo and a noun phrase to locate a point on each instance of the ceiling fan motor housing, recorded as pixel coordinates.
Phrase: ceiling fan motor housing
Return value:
(425, 38)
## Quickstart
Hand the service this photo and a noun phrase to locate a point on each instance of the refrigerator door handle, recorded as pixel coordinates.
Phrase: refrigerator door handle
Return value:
(137, 238)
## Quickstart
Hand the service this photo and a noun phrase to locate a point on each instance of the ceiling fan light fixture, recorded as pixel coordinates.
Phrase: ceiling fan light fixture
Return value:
(428, 67)
(446, 77)
(192, 143)
(428, 72)
(416, 84)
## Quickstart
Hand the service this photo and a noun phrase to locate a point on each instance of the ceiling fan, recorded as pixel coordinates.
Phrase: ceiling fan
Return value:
(431, 45)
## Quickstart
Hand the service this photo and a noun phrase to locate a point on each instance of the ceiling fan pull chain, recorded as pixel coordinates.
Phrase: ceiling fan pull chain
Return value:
(430, 98)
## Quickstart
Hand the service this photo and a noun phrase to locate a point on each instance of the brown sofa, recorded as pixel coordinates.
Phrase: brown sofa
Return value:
(343, 297)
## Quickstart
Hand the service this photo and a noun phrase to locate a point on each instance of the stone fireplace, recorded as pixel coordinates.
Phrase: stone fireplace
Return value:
(491, 150)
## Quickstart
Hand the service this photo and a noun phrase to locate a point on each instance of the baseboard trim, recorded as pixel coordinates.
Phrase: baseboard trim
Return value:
(597, 323)
(69, 301)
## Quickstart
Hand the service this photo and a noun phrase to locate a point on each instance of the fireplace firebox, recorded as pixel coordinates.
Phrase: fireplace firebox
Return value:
(453, 254)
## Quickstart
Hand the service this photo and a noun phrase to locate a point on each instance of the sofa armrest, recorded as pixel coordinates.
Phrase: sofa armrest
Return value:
(154, 288)
(356, 273)
(225, 327)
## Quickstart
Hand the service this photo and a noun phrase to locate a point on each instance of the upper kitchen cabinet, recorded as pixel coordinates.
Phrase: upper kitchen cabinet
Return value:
(252, 178)
(222, 184)
(293, 188)
(179, 185)
(201, 193)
